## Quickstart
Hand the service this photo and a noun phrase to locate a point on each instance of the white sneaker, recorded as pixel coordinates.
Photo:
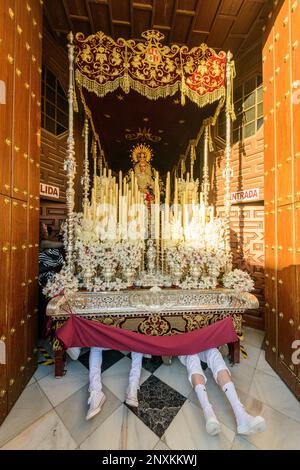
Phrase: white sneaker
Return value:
(96, 400)
(74, 353)
(131, 395)
(213, 427)
(253, 425)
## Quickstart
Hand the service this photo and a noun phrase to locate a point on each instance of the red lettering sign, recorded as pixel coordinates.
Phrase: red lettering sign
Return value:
(245, 196)
(49, 191)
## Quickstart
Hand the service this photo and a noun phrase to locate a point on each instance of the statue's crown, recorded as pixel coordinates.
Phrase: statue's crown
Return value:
(141, 148)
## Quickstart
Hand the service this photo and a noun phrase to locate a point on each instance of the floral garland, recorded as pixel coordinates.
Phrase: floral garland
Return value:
(176, 256)
(206, 282)
(64, 282)
(238, 280)
(129, 253)
(117, 284)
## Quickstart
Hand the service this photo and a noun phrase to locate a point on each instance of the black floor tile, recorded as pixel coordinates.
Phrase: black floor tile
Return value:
(109, 359)
(150, 363)
(158, 405)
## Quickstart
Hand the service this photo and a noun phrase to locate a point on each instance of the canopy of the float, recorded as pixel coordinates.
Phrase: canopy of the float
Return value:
(122, 73)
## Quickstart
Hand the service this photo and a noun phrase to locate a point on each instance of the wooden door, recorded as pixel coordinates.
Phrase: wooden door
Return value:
(282, 175)
(20, 86)
(7, 48)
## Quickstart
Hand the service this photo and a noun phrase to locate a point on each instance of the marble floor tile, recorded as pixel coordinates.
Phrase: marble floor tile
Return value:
(31, 405)
(122, 430)
(253, 336)
(152, 364)
(253, 355)
(219, 402)
(73, 413)
(57, 390)
(187, 432)
(274, 393)
(264, 366)
(175, 376)
(240, 443)
(116, 377)
(158, 404)
(47, 433)
(31, 381)
(161, 446)
(43, 371)
(282, 433)
(242, 375)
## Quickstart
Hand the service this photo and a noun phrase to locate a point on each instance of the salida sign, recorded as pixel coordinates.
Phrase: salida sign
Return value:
(245, 196)
(49, 191)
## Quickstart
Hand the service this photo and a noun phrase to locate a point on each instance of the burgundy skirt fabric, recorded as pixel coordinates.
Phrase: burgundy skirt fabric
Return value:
(81, 332)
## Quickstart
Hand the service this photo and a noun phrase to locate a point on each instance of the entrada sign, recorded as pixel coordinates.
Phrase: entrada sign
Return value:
(49, 191)
(245, 196)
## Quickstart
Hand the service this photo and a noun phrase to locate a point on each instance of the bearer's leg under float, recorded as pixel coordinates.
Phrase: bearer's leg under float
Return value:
(246, 424)
(198, 380)
(97, 397)
(134, 380)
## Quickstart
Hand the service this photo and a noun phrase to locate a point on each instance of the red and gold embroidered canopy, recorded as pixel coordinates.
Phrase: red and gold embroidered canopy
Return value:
(150, 68)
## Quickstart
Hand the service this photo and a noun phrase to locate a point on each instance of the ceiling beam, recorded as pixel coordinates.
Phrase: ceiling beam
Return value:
(88, 9)
(67, 13)
(197, 11)
(131, 17)
(173, 20)
(110, 19)
(254, 24)
(83, 19)
(51, 24)
(153, 13)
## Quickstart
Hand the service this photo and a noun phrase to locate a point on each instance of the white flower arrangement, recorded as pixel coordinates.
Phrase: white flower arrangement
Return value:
(129, 254)
(176, 256)
(64, 282)
(206, 282)
(116, 285)
(238, 280)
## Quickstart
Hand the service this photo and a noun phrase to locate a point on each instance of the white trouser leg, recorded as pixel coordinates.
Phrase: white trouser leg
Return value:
(136, 368)
(214, 360)
(193, 366)
(95, 363)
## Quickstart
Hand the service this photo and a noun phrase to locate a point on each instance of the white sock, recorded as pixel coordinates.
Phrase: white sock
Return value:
(239, 411)
(95, 363)
(136, 368)
(206, 406)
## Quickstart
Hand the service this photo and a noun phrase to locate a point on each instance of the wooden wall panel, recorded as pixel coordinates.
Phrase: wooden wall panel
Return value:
(20, 70)
(247, 161)
(52, 161)
(247, 242)
(281, 218)
(54, 148)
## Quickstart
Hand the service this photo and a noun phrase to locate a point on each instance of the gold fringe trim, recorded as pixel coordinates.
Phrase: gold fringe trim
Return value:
(126, 83)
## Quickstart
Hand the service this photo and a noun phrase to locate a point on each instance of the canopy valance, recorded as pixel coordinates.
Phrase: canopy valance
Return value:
(152, 69)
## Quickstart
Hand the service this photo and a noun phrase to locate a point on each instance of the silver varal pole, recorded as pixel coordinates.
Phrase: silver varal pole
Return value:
(205, 168)
(86, 173)
(228, 170)
(70, 164)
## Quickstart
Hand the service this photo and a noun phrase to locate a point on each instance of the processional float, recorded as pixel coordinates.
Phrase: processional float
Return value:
(124, 236)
